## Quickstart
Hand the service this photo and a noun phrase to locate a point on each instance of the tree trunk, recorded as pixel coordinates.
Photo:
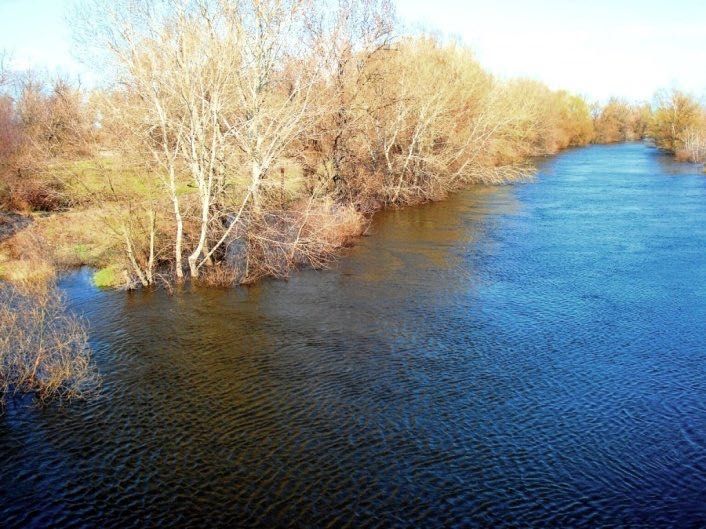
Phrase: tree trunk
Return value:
(194, 257)
(177, 247)
(255, 183)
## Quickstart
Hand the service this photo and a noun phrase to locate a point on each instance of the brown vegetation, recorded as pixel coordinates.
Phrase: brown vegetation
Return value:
(40, 122)
(679, 126)
(245, 138)
(676, 122)
(43, 349)
(618, 121)
(692, 146)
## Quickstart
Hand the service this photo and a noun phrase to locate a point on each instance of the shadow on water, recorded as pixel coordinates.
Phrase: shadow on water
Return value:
(522, 356)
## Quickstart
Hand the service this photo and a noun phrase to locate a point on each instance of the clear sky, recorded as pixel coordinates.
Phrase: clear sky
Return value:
(599, 48)
(35, 34)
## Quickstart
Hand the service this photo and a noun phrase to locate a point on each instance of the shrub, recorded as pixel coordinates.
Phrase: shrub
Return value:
(42, 121)
(677, 117)
(32, 193)
(621, 121)
(309, 234)
(43, 348)
(693, 145)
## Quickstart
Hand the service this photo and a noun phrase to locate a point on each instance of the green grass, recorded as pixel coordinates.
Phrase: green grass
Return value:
(107, 178)
(106, 277)
(102, 179)
(111, 179)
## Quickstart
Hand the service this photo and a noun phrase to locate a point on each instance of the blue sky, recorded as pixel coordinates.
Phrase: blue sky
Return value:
(598, 48)
(36, 34)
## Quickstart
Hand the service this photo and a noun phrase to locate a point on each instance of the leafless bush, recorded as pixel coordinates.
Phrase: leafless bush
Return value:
(308, 235)
(54, 116)
(41, 121)
(619, 120)
(43, 348)
(220, 275)
(693, 146)
(675, 115)
(32, 193)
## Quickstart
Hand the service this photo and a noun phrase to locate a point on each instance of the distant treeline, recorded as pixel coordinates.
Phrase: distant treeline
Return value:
(675, 121)
(240, 138)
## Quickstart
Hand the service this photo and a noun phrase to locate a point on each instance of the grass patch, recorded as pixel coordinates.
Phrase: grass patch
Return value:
(78, 238)
(107, 277)
(29, 273)
(102, 178)
(56, 242)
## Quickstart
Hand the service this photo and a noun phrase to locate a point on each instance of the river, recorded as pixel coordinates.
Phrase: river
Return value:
(530, 355)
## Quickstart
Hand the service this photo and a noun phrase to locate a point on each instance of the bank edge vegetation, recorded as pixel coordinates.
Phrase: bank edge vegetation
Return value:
(241, 139)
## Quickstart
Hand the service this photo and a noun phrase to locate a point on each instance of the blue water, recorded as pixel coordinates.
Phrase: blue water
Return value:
(521, 356)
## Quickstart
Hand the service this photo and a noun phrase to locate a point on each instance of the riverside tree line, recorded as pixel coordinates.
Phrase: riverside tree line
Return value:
(237, 139)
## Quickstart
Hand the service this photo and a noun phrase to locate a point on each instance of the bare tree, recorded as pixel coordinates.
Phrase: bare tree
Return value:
(273, 91)
(675, 114)
(214, 96)
(349, 37)
(4, 70)
(175, 63)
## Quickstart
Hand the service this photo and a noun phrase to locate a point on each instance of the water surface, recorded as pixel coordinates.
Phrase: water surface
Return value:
(522, 356)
